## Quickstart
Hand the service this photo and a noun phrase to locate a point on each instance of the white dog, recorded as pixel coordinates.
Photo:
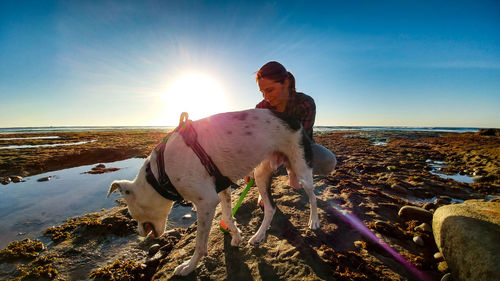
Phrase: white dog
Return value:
(237, 142)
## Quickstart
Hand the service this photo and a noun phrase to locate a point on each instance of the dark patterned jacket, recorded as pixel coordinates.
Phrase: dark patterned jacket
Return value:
(300, 106)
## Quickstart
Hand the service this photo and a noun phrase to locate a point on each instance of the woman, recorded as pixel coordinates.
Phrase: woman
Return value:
(278, 89)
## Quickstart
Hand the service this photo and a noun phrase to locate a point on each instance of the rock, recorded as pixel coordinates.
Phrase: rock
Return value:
(384, 227)
(479, 172)
(44, 179)
(438, 256)
(445, 198)
(424, 227)
(153, 249)
(440, 202)
(101, 169)
(429, 206)
(166, 249)
(468, 236)
(399, 189)
(447, 277)
(5, 180)
(418, 240)
(390, 205)
(484, 178)
(175, 233)
(489, 132)
(414, 213)
(16, 179)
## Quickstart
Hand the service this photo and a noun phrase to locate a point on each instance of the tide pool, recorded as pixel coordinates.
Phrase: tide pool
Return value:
(29, 207)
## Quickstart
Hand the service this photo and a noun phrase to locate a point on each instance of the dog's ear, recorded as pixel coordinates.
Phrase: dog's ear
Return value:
(114, 186)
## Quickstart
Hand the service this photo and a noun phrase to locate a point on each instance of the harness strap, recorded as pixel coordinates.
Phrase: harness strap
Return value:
(191, 139)
(163, 185)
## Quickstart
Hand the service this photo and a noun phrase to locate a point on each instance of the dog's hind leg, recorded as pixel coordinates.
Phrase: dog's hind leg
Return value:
(205, 209)
(263, 174)
(225, 200)
(307, 184)
(298, 161)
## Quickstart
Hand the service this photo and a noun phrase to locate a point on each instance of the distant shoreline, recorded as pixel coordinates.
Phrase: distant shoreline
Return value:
(63, 129)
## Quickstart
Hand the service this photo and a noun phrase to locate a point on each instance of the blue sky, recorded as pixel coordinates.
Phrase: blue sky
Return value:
(393, 63)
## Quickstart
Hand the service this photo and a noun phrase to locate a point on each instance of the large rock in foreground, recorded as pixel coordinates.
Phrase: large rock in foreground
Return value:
(468, 235)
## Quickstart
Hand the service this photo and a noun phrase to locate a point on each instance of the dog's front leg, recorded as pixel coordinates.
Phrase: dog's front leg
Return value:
(263, 174)
(227, 216)
(205, 212)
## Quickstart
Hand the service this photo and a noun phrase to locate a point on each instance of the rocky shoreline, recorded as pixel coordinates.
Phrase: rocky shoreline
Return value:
(99, 147)
(390, 188)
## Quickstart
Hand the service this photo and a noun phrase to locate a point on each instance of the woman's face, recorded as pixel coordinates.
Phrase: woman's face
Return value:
(275, 93)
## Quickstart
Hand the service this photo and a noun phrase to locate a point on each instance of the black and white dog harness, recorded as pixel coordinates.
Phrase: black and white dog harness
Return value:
(163, 185)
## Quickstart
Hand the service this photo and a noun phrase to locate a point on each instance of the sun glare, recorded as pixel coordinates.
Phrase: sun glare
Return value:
(197, 94)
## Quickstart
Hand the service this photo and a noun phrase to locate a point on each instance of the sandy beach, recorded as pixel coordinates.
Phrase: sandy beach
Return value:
(377, 175)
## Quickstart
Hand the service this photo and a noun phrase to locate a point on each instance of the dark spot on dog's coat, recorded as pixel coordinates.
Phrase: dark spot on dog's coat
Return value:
(248, 133)
(241, 116)
(306, 145)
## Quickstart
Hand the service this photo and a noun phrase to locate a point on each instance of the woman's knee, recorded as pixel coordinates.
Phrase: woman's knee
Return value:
(324, 161)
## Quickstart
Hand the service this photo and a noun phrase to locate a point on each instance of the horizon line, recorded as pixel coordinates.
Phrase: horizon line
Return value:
(318, 126)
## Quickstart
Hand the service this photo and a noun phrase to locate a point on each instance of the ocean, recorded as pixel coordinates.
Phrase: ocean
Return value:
(36, 130)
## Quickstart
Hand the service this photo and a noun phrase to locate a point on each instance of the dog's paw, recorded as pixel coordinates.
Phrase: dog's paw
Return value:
(256, 239)
(314, 224)
(236, 238)
(184, 269)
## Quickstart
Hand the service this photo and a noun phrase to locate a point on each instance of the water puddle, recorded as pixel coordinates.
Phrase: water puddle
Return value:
(44, 145)
(431, 200)
(29, 207)
(437, 165)
(380, 143)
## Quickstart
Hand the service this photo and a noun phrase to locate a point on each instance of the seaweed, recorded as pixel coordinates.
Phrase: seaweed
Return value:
(349, 265)
(39, 272)
(120, 271)
(27, 249)
(92, 224)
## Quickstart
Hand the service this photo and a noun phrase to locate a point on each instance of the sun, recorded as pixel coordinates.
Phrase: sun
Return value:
(195, 93)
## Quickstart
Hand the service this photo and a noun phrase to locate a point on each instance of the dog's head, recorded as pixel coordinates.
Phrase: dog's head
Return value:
(146, 206)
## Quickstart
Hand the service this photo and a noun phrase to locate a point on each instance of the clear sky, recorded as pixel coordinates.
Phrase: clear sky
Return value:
(393, 63)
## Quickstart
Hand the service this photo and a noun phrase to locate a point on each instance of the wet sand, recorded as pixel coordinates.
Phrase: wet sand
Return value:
(371, 183)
